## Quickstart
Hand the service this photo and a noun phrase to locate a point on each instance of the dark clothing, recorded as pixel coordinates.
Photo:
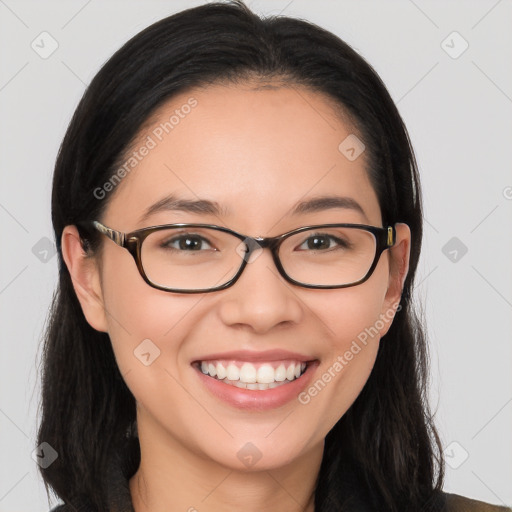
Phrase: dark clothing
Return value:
(456, 503)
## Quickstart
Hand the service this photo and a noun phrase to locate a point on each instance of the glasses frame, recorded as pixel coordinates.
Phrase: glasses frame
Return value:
(385, 238)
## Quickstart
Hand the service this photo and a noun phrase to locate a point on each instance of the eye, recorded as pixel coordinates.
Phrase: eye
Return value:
(319, 241)
(185, 242)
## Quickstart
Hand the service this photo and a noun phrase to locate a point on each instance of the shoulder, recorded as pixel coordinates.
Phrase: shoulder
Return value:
(457, 503)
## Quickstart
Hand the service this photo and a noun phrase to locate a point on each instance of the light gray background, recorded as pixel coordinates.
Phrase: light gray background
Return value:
(458, 112)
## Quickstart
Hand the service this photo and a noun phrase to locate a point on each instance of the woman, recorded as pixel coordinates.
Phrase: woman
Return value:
(239, 221)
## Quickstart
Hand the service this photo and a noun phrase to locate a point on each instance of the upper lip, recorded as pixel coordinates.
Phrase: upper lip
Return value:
(249, 355)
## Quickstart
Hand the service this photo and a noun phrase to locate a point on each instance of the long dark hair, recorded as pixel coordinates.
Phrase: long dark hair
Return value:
(384, 453)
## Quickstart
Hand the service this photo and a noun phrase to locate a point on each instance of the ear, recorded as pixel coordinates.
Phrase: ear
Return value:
(85, 276)
(398, 269)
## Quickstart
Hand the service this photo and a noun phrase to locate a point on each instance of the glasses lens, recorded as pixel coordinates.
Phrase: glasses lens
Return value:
(328, 256)
(191, 258)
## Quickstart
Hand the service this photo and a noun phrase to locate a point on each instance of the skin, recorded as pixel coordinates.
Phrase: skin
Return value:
(242, 146)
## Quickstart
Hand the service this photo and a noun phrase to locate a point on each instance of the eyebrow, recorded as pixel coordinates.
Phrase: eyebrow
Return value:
(205, 206)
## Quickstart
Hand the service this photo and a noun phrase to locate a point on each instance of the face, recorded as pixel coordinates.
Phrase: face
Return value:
(256, 153)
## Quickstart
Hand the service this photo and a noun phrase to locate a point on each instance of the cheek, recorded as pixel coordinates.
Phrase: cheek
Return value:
(349, 354)
(352, 338)
(352, 319)
(353, 313)
(146, 328)
(142, 319)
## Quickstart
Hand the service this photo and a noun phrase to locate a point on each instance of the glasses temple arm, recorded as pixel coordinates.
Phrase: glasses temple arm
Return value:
(116, 236)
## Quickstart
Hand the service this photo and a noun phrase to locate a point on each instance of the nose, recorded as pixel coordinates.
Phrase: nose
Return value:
(261, 299)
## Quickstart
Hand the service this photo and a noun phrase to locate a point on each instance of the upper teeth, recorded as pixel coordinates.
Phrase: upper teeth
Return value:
(249, 373)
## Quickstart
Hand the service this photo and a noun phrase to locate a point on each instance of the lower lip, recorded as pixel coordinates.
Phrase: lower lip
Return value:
(258, 399)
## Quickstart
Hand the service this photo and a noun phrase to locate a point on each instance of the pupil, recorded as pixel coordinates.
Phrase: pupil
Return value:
(189, 242)
(316, 242)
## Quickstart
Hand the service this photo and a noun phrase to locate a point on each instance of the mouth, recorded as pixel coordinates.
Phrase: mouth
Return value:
(255, 381)
(254, 376)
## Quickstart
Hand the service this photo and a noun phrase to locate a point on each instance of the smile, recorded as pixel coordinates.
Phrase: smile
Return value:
(257, 385)
(259, 376)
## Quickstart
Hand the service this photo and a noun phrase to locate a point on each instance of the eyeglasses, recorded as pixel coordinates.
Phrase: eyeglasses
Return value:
(201, 258)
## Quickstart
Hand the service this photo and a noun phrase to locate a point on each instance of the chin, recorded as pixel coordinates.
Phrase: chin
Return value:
(258, 454)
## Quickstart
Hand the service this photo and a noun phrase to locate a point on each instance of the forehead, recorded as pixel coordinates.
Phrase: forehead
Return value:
(256, 151)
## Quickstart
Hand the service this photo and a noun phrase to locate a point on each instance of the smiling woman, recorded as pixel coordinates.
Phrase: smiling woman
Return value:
(233, 326)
